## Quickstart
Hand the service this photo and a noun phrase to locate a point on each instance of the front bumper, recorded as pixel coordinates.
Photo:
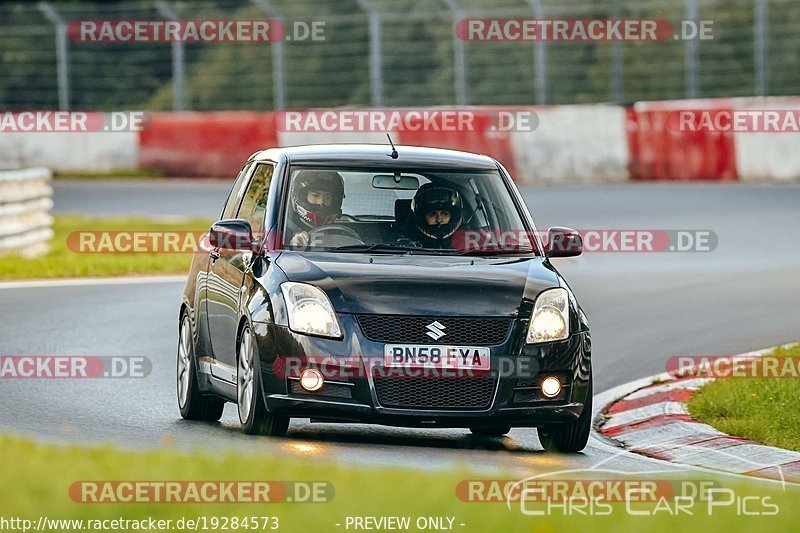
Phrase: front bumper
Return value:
(514, 402)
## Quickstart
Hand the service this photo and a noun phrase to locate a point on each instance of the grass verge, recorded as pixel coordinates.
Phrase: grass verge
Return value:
(37, 482)
(132, 173)
(61, 262)
(763, 409)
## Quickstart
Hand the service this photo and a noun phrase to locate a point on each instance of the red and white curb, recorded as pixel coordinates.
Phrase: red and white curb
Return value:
(654, 421)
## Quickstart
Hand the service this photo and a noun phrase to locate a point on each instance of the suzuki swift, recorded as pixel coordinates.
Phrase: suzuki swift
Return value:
(400, 286)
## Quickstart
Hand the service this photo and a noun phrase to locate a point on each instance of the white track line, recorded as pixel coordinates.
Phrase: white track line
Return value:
(78, 282)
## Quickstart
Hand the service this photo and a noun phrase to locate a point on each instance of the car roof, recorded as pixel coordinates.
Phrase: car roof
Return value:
(377, 156)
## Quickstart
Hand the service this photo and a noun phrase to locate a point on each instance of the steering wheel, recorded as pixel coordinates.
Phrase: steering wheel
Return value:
(334, 229)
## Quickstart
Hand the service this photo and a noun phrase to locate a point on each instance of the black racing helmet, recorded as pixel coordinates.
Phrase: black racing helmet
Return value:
(314, 215)
(431, 196)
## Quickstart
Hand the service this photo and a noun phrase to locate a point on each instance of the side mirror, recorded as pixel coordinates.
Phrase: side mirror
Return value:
(231, 234)
(563, 242)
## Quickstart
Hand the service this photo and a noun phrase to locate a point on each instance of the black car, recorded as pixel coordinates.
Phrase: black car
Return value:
(356, 283)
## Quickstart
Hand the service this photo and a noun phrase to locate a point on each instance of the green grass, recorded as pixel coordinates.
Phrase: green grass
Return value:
(35, 480)
(61, 261)
(137, 173)
(763, 410)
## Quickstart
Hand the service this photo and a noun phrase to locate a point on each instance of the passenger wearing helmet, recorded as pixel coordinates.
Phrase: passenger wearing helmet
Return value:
(316, 201)
(438, 213)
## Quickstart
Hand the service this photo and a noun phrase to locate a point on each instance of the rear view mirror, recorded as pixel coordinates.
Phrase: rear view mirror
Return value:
(395, 181)
(563, 242)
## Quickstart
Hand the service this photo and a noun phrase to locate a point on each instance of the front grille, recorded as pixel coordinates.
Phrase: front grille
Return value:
(435, 393)
(476, 331)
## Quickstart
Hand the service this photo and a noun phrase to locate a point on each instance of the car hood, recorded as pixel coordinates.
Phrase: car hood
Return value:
(423, 284)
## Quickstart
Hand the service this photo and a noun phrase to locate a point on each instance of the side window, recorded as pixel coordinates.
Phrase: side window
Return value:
(254, 203)
(235, 196)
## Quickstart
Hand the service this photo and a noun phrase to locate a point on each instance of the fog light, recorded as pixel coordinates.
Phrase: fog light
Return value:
(551, 386)
(311, 379)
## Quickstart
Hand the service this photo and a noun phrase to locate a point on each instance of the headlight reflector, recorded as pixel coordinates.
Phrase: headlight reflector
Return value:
(550, 320)
(309, 310)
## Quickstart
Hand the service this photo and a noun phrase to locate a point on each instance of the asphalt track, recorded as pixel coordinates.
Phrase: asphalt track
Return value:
(642, 307)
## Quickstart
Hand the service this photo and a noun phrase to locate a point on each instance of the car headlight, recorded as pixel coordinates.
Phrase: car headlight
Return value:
(550, 320)
(309, 310)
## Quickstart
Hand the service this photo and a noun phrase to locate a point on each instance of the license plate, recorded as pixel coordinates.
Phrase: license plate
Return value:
(429, 356)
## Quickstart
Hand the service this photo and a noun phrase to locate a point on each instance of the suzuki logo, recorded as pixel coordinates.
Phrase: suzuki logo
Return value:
(435, 330)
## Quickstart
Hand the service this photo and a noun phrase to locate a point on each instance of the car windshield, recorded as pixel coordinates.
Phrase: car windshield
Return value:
(403, 212)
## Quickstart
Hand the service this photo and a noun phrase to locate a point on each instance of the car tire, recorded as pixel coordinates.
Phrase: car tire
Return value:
(571, 437)
(490, 432)
(191, 402)
(253, 414)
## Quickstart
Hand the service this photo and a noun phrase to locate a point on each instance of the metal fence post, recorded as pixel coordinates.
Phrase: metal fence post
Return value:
(459, 59)
(617, 70)
(691, 57)
(375, 52)
(178, 67)
(539, 57)
(760, 48)
(62, 53)
(278, 82)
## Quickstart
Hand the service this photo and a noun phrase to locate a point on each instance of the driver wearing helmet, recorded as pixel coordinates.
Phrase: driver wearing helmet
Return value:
(316, 201)
(438, 213)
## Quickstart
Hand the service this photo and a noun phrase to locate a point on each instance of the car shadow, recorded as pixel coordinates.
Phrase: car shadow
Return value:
(412, 437)
(301, 431)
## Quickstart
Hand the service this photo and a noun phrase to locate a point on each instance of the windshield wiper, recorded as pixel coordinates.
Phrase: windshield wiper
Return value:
(495, 251)
(385, 248)
(392, 248)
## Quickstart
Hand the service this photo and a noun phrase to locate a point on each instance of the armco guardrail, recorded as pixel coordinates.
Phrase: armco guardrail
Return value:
(26, 198)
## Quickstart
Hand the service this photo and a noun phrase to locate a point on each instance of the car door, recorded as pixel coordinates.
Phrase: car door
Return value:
(227, 273)
(228, 211)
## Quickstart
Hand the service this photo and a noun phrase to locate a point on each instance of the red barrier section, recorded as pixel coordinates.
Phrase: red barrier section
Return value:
(660, 150)
(204, 144)
(482, 140)
(660, 147)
